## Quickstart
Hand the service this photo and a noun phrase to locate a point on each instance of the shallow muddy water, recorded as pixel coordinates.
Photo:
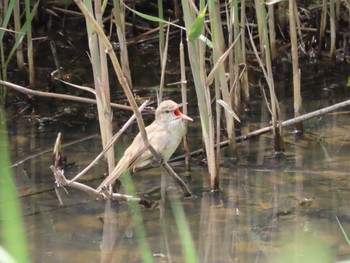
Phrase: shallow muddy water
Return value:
(270, 209)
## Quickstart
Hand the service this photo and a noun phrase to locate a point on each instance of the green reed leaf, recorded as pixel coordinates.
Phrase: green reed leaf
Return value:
(6, 19)
(153, 18)
(228, 109)
(194, 27)
(198, 25)
(23, 31)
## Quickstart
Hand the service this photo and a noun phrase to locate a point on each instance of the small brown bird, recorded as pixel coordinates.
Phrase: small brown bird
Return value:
(164, 134)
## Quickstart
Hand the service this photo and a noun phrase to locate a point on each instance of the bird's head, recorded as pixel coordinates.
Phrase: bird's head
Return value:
(168, 111)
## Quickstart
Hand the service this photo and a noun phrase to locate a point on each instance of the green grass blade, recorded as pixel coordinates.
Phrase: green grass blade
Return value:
(104, 5)
(188, 247)
(137, 219)
(23, 31)
(343, 231)
(158, 20)
(153, 18)
(7, 18)
(11, 224)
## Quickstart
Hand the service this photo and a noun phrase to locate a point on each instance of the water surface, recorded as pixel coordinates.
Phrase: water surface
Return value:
(268, 206)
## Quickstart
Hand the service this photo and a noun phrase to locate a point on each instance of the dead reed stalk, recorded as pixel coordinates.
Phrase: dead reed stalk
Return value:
(184, 105)
(295, 61)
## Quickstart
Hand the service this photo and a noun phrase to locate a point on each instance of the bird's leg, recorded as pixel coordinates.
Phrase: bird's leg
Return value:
(105, 193)
(161, 161)
(184, 188)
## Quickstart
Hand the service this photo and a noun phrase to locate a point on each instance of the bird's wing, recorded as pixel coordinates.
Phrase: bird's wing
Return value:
(136, 155)
(125, 163)
(143, 156)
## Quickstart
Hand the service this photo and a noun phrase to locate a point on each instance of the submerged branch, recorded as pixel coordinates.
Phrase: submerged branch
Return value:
(270, 128)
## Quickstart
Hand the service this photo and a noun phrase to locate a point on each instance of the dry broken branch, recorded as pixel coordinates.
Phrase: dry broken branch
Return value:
(62, 181)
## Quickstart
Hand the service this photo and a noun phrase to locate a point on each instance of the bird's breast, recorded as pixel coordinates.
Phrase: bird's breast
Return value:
(175, 133)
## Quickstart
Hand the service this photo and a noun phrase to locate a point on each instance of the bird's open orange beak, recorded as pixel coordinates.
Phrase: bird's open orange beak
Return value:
(180, 115)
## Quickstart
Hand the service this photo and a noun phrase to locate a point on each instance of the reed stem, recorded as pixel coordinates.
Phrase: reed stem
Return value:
(196, 50)
(161, 30)
(101, 80)
(119, 15)
(164, 58)
(279, 145)
(295, 61)
(245, 80)
(323, 25)
(236, 83)
(332, 22)
(30, 50)
(19, 50)
(184, 105)
(272, 32)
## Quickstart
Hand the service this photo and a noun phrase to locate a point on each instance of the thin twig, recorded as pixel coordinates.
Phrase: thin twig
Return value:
(41, 152)
(220, 62)
(88, 89)
(32, 93)
(110, 143)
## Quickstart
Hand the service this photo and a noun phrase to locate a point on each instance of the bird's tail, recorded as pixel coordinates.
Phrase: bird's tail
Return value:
(114, 175)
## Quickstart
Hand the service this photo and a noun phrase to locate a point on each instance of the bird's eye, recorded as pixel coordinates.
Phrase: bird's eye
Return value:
(167, 111)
